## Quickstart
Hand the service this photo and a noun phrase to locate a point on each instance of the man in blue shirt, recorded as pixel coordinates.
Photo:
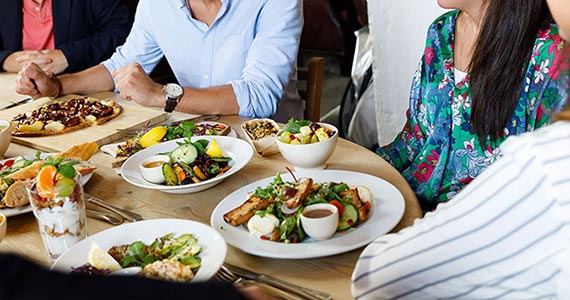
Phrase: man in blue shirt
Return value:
(230, 56)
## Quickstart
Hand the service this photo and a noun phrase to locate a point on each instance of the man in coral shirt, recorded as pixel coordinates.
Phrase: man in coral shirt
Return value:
(62, 35)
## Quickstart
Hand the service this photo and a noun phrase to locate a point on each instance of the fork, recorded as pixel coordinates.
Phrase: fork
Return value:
(104, 216)
(225, 275)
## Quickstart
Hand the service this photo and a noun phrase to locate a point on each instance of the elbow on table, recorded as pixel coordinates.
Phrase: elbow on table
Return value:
(256, 100)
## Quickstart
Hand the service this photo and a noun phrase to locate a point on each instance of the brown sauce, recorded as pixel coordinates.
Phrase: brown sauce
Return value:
(153, 164)
(318, 213)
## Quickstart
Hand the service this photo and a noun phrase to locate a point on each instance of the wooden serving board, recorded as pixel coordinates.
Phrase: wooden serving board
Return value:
(132, 116)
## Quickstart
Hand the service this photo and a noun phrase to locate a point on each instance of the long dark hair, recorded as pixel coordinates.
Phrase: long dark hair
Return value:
(503, 50)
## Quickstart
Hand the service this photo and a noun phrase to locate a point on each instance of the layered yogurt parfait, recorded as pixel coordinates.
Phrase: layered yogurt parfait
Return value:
(58, 203)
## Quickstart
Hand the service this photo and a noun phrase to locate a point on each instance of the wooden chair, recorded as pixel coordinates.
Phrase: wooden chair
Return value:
(310, 85)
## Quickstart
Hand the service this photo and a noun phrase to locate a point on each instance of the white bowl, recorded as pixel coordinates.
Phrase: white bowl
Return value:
(153, 174)
(238, 150)
(5, 137)
(309, 156)
(213, 245)
(3, 225)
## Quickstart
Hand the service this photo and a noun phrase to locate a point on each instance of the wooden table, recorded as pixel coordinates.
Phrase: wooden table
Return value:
(330, 274)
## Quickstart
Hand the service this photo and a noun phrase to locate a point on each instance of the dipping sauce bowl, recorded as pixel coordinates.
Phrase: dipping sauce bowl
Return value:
(320, 221)
(151, 168)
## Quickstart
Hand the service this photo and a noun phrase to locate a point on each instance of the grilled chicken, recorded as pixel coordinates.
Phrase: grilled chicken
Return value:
(303, 189)
(244, 212)
(352, 197)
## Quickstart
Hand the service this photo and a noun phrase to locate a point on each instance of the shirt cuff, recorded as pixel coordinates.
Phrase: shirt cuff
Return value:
(242, 96)
(110, 65)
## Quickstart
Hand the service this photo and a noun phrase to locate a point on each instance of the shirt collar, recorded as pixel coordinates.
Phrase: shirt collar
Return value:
(184, 3)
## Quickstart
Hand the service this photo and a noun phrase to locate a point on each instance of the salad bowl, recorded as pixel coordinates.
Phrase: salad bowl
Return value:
(238, 150)
(309, 156)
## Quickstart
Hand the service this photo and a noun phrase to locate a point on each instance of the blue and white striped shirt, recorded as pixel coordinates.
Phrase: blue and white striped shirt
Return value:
(506, 236)
(251, 45)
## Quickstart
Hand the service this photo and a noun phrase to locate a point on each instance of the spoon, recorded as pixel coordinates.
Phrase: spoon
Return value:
(127, 271)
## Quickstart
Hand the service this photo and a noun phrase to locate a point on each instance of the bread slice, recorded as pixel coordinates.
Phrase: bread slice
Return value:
(81, 152)
(16, 195)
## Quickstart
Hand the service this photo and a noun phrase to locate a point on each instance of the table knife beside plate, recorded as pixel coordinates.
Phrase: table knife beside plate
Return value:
(277, 283)
(203, 118)
(128, 215)
(18, 103)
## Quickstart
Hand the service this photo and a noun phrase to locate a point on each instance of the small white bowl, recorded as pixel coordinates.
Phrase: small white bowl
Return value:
(5, 137)
(153, 173)
(309, 156)
(320, 221)
(3, 225)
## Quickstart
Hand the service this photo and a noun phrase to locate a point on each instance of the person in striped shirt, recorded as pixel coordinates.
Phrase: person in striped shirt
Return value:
(505, 236)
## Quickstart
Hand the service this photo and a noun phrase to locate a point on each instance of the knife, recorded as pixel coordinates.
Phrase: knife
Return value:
(17, 103)
(286, 286)
(133, 132)
(128, 215)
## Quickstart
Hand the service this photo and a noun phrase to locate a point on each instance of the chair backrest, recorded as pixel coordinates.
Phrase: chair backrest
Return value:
(310, 85)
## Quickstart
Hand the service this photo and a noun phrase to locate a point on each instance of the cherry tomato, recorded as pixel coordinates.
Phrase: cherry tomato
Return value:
(367, 206)
(8, 163)
(339, 206)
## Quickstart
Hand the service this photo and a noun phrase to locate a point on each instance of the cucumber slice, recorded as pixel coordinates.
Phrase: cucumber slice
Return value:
(187, 168)
(19, 163)
(191, 261)
(186, 153)
(349, 217)
(221, 159)
(169, 175)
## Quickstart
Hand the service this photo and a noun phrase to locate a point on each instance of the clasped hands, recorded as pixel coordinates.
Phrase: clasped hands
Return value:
(131, 81)
(53, 61)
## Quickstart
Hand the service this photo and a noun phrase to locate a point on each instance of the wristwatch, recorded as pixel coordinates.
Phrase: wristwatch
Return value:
(172, 92)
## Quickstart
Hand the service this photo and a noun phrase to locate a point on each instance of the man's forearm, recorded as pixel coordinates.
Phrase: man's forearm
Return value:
(215, 100)
(92, 80)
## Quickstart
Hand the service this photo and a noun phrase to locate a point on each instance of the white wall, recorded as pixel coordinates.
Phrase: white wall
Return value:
(398, 28)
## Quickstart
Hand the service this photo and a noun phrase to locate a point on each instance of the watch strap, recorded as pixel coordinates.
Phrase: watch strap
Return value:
(170, 104)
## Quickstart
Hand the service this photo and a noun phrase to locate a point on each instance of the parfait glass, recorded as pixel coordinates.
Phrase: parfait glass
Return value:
(61, 220)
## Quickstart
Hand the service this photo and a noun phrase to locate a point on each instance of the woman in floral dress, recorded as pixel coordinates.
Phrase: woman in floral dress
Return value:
(455, 125)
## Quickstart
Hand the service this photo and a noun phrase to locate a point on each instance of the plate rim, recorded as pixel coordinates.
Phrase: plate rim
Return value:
(296, 250)
(192, 186)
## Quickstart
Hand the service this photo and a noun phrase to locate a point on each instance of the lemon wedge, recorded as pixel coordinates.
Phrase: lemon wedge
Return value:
(214, 150)
(153, 136)
(100, 259)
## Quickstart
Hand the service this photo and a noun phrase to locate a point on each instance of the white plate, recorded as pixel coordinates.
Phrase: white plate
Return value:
(14, 211)
(238, 150)
(387, 211)
(213, 246)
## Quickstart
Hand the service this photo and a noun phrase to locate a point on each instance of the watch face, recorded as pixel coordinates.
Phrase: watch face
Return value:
(173, 90)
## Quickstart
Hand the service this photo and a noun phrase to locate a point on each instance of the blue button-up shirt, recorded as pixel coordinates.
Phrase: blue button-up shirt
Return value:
(252, 45)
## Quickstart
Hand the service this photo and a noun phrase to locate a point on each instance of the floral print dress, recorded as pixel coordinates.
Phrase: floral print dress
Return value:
(437, 151)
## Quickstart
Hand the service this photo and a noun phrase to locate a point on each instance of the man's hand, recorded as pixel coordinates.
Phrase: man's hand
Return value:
(53, 61)
(134, 84)
(33, 81)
